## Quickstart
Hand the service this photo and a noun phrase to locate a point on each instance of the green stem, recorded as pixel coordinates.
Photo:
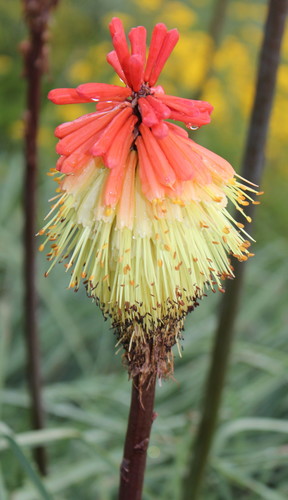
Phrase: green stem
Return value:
(253, 165)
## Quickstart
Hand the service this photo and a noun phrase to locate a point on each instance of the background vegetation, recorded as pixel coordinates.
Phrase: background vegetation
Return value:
(86, 391)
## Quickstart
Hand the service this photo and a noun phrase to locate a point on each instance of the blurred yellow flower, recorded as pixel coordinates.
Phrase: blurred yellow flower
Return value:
(17, 129)
(151, 5)
(214, 92)
(246, 10)
(188, 61)
(126, 19)
(97, 53)
(45, 138)
(70, 112)
(80, 71)
(177, 13)
(233, 60)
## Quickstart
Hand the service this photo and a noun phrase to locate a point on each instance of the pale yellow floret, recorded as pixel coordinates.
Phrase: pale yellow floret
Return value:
(145, 261)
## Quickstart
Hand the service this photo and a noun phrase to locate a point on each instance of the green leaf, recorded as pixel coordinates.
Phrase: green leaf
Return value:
(33, 476)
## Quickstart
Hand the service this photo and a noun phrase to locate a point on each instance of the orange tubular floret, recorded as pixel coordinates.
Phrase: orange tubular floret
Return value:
(158, 36)
(136, 71)
(196, 113)
(126, 202)
(216, 163)
(148, 114)
(103, 91)
(137, 37)
(162, 168)
(169, 43)
(113, 186)
(74, 139)
(151, 188)
(160, 130)
(177, 130)
(109, 134)
(109, 106)
(68, 127)
(112, 59)
(200, 172)
(161, 110)
(119, 149)
(80, 156)
(182, 166)
(73, 162)
(66, 96)
(120, 45)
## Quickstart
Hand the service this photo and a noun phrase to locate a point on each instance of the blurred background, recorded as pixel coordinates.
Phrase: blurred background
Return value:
(86, 391)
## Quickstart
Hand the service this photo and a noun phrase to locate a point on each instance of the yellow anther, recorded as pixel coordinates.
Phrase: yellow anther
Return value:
(126, 269)
(244, 203)
(108, 211)
(178, 266)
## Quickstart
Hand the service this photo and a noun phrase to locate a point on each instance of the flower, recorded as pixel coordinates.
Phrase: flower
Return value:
(141, 211)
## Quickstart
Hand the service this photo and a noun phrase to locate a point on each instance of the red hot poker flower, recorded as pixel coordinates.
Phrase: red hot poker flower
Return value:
(141, 212)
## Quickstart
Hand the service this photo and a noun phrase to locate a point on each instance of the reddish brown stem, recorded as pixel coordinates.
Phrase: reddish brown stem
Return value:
(36, 15)
(137, 439)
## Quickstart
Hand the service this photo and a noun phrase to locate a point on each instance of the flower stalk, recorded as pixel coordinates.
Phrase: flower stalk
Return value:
(253, 166)
(140, 421)
(36, 15)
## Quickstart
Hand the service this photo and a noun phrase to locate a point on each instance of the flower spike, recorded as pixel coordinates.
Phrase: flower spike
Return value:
(141, 212)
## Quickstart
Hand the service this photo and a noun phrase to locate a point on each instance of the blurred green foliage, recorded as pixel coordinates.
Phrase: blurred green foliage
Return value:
(86, 392)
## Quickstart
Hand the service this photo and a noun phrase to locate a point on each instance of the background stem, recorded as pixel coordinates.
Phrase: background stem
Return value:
(36, 15)
(214, 32)
(137, 439)
(252, 169)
